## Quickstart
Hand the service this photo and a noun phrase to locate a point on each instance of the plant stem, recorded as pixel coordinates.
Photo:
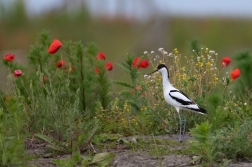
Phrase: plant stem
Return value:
(83, 86)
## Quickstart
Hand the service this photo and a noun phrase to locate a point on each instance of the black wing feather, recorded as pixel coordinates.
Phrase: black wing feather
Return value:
(181, 101)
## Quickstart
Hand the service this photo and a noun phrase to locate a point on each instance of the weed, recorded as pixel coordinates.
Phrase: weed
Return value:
(12, 137)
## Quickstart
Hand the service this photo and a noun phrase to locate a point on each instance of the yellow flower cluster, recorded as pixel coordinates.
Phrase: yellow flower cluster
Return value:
(175, 51)
(196, 73)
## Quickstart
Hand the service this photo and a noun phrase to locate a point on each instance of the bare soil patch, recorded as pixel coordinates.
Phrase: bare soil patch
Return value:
(125, 156)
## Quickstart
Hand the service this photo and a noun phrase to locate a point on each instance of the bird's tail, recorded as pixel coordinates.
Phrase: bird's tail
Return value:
(202, 110)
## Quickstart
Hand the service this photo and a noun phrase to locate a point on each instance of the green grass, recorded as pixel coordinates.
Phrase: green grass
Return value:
(160, 147)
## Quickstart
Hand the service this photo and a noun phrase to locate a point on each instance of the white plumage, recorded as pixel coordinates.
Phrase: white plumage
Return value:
(177, 98)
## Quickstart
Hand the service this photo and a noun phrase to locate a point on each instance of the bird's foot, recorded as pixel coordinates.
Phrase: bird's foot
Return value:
(181, 139)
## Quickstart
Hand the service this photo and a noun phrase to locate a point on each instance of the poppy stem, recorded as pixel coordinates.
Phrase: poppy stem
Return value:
(83, 87)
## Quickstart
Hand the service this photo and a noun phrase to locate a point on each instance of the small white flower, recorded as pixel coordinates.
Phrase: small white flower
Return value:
(170, 54)
(165, 53)
(160, 49)
(146, 76)
(211, 51)
(145, 52)
(193, 50)
(201, 48)
(245, 104)
(216, 54)
(152, 52)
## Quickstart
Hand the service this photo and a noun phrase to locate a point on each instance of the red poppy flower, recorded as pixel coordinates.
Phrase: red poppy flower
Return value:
(144, 63)
(109, 66)
(97, 70)
(45, 78)
(100, 56)
(235, 74)
(9, 57)
(17, 73)
(7, 98)
(138, 88)
(225, 61)
(136, 62)
(133, 91)
(60, 63)
(54, 47)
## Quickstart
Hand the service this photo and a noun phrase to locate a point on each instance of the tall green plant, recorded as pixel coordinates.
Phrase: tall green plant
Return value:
(243, 84)
(12, 136)
(78, 73)
(82, 76)
(132, 92)
(60, 100)
(202, 144)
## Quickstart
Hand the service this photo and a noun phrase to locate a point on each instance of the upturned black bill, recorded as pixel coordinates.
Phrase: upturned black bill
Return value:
(152, 72)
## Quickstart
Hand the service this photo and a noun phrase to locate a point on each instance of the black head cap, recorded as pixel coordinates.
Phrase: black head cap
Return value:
(161, 66)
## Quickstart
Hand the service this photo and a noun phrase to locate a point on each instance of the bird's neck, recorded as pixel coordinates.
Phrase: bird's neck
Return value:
(166, 81)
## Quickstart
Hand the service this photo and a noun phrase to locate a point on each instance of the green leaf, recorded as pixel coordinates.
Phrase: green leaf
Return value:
(103, 159)
(126, 93)
(86, 160)
(125, 84)
(45, 138)
(56, 148)
(92, 133)
(4, 158)
(124, 67)
(195, 159)
(135, 104)
(53, 144)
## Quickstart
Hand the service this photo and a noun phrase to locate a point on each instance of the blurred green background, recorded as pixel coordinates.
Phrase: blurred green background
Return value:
(117, 34)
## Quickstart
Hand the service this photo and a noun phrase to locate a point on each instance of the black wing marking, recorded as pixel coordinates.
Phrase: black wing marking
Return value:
(199, 109)
(183, 99)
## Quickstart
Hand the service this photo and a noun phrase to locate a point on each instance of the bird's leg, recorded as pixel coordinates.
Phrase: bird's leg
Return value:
(184, 128)
(180, 127)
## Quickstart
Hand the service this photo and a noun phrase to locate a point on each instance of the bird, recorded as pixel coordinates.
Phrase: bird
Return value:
(177, 98)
